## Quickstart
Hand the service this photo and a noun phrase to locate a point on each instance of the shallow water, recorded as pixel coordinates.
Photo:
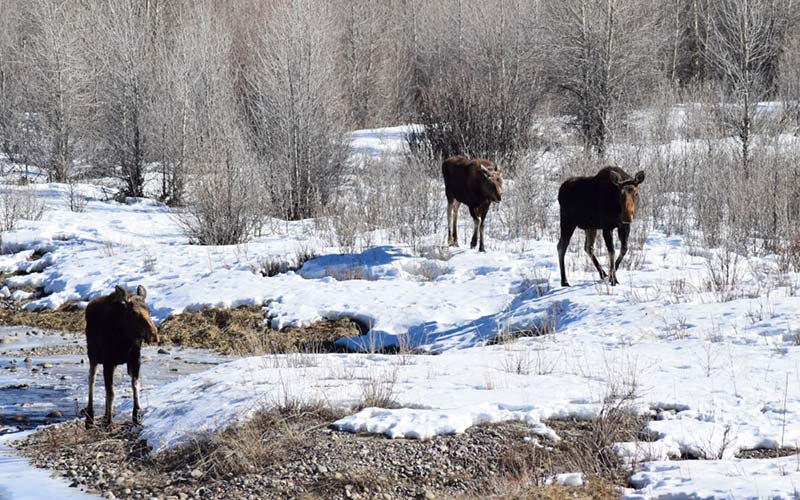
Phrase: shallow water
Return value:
(54, 379)
(30, 391)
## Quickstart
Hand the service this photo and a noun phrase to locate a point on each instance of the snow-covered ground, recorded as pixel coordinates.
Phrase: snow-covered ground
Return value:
(718, 376)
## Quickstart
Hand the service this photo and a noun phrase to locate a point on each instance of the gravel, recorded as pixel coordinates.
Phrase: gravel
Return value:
(318, 462)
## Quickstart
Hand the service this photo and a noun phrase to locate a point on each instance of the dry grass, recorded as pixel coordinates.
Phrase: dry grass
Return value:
(67, 318)
(232, 331)
(267, 438)
(241, 331)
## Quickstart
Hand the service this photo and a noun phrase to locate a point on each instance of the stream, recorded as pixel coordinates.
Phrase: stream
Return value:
(43, 380)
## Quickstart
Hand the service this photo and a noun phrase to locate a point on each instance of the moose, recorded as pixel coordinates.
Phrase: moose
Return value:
(116, 325)
(475, 183)
(601, 202)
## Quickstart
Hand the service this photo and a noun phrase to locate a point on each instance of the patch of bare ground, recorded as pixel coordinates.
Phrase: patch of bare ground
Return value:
(231, 331)
(769, 453)
(242, 331)
(68, 318)
(294, 453)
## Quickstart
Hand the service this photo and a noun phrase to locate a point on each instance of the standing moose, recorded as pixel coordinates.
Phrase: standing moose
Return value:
(116, 325)
(475, 183)
(602, 202)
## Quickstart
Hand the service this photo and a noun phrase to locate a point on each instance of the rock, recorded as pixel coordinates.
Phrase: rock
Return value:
(55, 414)
(109, 494)
(196, 473)
(161, 350)
(321, 469)
(28, 360)
(46, 365)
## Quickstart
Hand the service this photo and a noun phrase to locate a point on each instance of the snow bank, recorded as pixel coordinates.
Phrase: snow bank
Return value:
(425, 424)
(739, 478)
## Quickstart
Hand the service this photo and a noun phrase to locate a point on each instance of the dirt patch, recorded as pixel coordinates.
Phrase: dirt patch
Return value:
(768, 453)
(295, 454)
(241, 331)
(230, 331)
(68, 318)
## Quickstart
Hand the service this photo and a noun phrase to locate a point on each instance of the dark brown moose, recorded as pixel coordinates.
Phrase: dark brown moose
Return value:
(116, 325)
(475, 183)
(602, 202)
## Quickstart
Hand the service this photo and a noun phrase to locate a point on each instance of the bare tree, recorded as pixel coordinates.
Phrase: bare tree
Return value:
(599, 53)
(222, 198)
(9, 79)
(121, 51)
(59, 97)
(481, 82)
(740, 46)
(295, 107)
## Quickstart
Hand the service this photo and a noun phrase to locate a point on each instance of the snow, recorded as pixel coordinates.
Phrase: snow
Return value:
(21, 481)
(700, 479)
(424, 424)
(718, 376)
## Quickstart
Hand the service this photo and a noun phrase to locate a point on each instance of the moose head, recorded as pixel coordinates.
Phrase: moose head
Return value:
(493, 183)
(136, 314)
(629, 194)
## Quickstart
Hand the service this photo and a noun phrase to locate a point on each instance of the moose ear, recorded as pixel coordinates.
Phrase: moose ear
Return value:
(485, 172)
(120, 294)
(141, 292)
(639, 178)
(615, 178)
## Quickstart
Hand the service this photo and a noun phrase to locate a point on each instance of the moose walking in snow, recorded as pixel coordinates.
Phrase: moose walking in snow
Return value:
(602, 202)
(116, 325)
(475, 183)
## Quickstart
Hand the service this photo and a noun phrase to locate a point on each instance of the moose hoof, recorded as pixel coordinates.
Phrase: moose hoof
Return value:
(564, 283)
(137, 418)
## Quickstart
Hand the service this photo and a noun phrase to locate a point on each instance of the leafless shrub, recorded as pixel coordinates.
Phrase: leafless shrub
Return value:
(435, 252)
(76, 202)
(149, 264)
(109, 249)
(482, 83)
(723, 274)
(289, 75)
(18, 204)
(271, 266)
(378, 388)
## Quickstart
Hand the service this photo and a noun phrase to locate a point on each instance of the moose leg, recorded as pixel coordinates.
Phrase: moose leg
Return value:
(133, 370)
(452, 221)
(475, 226)
(624, 231)
(588, 246)
(482, 215)
(108, 378)
(566, 234)
(612, 272)
(90, 405)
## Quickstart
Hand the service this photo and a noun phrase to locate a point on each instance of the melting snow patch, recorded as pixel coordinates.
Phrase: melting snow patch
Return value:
(568, 479)
(424, 424)
(737, 478)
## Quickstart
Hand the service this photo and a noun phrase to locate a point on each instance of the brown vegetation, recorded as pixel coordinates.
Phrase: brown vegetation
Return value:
(242, 331)
(290, 451)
